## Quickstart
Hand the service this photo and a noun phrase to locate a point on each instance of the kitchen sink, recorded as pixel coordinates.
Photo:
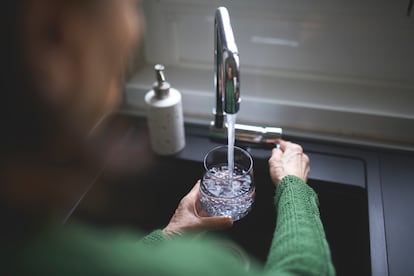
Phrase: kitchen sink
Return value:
(146, 199)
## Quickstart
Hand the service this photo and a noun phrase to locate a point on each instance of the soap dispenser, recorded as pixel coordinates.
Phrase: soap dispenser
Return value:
(164, 116)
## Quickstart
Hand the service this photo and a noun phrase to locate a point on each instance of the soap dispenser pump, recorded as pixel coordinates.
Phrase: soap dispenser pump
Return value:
(165, 116)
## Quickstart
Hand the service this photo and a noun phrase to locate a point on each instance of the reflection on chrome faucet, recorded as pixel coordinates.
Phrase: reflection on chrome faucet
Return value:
(227, 83)
(227, 68)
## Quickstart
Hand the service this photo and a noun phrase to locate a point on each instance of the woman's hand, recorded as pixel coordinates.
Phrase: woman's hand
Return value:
(189, 216)
(288, 159)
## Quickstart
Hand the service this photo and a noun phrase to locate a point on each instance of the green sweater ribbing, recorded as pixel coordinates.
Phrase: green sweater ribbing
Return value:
(299, 247)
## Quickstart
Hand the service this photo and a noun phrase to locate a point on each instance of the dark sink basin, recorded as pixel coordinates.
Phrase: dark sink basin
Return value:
(344, 212)
(146, 200)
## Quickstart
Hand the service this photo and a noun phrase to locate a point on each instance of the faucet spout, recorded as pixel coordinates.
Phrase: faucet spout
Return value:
(227, 83)
(227, 68)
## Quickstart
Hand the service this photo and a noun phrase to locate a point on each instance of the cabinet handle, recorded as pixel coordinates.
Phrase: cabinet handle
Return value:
(410, 7)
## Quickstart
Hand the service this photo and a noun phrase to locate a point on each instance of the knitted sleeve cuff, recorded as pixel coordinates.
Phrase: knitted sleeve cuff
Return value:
(295, 183)
(154, 238)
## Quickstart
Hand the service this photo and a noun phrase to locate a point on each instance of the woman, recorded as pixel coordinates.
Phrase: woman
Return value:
(65, 60)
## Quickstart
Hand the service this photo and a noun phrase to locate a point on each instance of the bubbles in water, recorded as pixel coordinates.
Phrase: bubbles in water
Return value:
(224, 196)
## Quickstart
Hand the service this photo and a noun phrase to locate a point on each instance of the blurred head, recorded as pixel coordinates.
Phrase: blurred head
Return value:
(65, 65)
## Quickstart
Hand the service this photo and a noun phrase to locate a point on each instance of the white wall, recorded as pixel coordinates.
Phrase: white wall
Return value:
(329, 69)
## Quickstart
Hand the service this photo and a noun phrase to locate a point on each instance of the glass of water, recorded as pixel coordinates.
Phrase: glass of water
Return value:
(227, 191)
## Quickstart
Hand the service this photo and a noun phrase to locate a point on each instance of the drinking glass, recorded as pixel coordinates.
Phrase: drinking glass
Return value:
(223, 194)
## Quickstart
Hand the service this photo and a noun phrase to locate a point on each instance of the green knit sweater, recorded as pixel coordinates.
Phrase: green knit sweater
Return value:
(299, 247)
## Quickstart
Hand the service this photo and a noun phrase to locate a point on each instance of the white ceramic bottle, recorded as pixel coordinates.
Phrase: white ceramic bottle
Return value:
(165, 116)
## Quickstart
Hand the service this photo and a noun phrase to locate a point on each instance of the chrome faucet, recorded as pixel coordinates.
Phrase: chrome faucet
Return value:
(227, 83)
(226, 69)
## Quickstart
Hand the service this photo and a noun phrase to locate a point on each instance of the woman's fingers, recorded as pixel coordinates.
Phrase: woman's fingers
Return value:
(288, 159)
(216, 223)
